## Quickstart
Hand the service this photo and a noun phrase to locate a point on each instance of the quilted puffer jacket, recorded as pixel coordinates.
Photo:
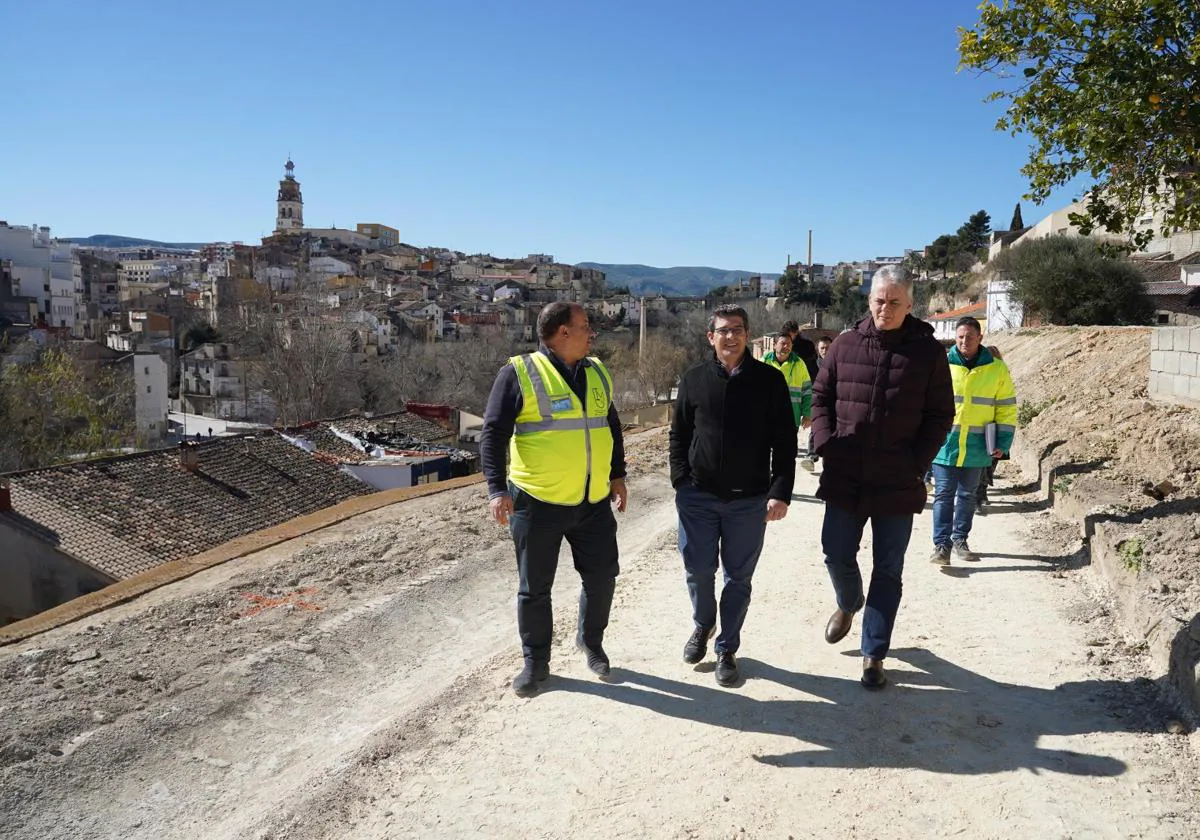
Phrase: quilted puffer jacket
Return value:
(882, 405)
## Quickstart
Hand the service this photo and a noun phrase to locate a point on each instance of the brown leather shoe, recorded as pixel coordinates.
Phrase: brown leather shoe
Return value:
(840, 623)
(873, 678)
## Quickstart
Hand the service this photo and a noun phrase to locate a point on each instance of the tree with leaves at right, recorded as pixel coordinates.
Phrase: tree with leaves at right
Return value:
(1106, 91)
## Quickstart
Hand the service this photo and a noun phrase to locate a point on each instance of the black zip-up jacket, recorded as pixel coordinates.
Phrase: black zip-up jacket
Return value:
(734, 436)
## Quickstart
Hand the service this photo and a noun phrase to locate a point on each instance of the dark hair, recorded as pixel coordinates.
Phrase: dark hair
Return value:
(995, 351)
(790, 327)
(552, 317)
(784, 334)
(968, 321)
(728, 310)
(826, 339)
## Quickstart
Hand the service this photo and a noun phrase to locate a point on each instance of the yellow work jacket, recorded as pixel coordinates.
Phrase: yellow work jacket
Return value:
(561, 450)
(983, 394)
(799, 383)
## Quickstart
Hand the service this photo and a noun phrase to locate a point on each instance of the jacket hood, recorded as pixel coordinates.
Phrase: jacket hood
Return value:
(911, 329)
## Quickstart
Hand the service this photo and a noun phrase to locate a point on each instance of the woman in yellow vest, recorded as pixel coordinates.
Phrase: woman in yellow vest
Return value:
(553, 456)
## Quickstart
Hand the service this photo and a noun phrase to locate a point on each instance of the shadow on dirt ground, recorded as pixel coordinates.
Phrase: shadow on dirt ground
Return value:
(936, 716)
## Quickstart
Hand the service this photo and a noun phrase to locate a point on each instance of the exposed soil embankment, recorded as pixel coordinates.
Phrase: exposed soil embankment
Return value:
(1127, 468)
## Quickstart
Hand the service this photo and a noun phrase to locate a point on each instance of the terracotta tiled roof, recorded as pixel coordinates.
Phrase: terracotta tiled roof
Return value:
(1175, 289)
(128, 514)
(401, 429)
(975, 309)
(1165, 271)
(401, 422)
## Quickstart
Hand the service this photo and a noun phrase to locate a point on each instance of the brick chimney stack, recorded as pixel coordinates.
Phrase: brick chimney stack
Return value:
(5, 495)
(189, 456)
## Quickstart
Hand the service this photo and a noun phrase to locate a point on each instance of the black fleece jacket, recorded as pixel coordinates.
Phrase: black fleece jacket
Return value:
(734, 436)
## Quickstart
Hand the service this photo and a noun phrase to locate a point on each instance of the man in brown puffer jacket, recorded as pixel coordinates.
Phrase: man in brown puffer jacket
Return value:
(882, 405)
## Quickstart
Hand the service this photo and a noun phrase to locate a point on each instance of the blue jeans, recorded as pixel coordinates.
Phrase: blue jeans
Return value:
(711, 527)
(841, 535)
(954, 502)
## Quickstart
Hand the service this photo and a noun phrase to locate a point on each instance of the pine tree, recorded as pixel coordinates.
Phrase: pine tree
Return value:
(1017, 223)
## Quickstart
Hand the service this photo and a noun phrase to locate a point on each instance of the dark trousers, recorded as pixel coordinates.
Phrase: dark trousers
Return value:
(713, 530)
(841, 535)
(538, 529)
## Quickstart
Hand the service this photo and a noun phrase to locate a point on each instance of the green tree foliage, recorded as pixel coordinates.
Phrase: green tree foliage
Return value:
(848, 302)
(795, 290)
(1069, 280)
(791, 286)
(1107, 90)
(940, 252)
(974, 234)
(1017, 222)
(59, 407)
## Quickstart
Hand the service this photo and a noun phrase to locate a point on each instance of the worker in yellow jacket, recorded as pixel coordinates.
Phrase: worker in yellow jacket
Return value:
(985, 422)
(795, 371)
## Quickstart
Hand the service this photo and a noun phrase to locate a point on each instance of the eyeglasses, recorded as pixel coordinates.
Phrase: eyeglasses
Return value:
(730, 332)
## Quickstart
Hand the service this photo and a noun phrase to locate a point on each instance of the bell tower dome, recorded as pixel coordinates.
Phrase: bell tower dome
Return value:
(289, 214)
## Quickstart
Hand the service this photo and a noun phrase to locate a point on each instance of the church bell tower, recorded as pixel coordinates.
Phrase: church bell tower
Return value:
(289, 215)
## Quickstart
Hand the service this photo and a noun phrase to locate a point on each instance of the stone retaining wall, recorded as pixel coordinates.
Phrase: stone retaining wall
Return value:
(1175, 364)
(1174, 648)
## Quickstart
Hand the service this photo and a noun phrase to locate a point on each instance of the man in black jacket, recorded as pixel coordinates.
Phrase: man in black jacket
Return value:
(733, 450)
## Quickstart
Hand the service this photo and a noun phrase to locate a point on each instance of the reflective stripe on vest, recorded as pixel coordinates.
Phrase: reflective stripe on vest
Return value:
(561, 451)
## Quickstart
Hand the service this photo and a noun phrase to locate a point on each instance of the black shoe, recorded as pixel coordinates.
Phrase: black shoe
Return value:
(597, 659)
(526, 682)
(727, 670)
(873, 678)
(697, 645)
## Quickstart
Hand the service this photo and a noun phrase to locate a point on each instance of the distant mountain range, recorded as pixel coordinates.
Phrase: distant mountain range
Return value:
(108, 240)
(680, 280)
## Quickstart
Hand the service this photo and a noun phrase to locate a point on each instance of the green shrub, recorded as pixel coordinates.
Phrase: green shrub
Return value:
(1027, 410)
(1131, 554)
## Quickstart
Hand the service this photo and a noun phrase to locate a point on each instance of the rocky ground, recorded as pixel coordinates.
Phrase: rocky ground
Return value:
(1129, 461)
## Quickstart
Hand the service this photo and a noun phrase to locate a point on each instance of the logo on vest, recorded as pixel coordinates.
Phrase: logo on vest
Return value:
(598, 397)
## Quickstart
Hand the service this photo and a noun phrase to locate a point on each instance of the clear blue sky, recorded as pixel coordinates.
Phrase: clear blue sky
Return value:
(665, 133)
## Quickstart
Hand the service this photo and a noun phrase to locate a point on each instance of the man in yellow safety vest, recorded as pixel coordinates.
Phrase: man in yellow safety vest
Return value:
(553, 456)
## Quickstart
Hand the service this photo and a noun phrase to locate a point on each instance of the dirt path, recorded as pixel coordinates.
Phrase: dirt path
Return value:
(387, 712)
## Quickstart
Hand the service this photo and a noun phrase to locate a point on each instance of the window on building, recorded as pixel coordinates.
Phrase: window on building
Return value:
(147, 370)
(147, 389)
(1164, 318)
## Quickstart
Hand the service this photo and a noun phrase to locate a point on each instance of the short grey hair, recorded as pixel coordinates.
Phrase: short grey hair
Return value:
(893, 275)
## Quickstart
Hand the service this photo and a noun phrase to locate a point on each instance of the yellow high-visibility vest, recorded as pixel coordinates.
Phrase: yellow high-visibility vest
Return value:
(561, 450)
